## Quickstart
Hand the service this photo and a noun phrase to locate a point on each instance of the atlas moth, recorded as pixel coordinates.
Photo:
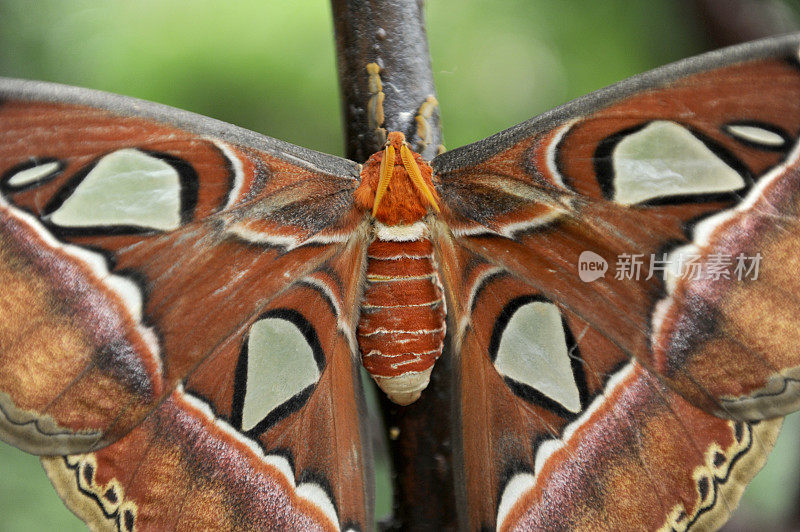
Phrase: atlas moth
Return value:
(186, 305)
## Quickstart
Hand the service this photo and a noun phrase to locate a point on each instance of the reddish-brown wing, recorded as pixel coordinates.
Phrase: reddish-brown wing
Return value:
(176, 274)
(543, 229)
(253, 439)
(559, 429)
(644, 459)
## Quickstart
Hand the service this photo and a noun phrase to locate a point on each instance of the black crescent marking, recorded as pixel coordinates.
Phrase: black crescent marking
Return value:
(229, 167)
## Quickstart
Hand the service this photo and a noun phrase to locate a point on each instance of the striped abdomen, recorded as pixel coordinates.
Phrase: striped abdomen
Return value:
(402, 325)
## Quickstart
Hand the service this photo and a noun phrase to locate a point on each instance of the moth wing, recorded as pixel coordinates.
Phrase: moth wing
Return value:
(695, 162)
(151, 261)
(267, 433)
(560, 368)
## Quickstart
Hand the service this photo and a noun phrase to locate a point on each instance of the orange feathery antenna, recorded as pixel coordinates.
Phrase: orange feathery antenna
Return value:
(416, 175)
(387, 168)
(397, 190)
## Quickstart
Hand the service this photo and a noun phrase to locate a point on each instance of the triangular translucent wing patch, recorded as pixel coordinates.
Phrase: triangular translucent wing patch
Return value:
(281, 363)
(533, 351)
(125, 188)
(664, 159)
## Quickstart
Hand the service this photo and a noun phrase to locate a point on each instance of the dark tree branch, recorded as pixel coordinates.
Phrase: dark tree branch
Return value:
(392, 35)
(398, 95)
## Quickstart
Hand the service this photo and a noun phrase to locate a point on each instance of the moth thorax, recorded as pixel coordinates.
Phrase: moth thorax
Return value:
(396, 185)
(402, 323)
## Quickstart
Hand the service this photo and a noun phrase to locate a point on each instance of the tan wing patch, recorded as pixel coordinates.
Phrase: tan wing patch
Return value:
(101, 505)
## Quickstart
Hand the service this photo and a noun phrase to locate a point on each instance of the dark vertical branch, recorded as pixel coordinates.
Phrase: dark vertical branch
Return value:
(422, 456)
(391, 34)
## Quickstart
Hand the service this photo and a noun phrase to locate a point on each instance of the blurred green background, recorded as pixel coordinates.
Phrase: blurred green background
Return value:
(269, 66)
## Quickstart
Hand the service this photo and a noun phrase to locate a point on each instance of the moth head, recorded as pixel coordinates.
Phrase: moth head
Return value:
(396, 140)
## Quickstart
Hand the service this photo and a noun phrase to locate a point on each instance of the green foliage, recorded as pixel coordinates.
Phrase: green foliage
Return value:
(269, 66)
